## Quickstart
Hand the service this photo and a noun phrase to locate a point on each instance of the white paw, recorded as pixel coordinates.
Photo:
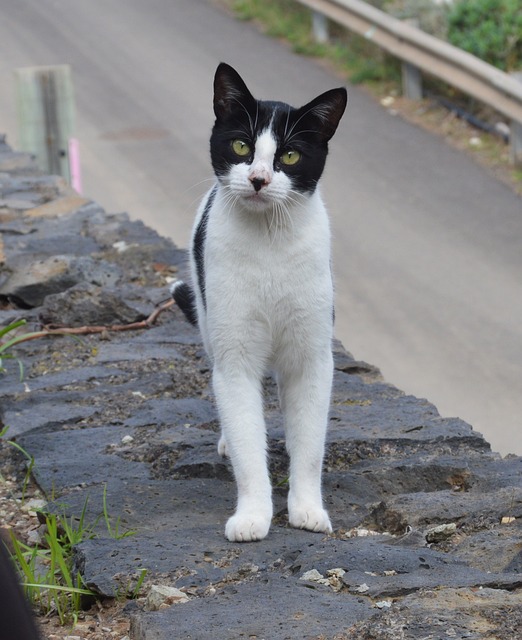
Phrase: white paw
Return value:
(311, 518)
(247, 527)
(222, 447)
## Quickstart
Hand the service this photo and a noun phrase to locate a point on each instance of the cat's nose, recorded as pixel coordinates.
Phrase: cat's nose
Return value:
(258, 183)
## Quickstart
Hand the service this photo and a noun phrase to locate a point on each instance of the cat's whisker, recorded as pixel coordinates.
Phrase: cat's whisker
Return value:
(247, 113)
(310, 110)
(197, 184)
(287, 121)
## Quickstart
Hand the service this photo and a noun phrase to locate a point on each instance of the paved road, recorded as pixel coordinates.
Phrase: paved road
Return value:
(427, 247)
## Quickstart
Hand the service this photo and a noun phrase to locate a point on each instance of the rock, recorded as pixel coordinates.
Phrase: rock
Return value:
(87, 304)
(441, 532)
(313, 576)
(160, 595)
(43, 277)
(33, 505)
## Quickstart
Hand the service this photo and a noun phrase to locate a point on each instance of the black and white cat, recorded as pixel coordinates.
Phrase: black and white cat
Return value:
(262, 292)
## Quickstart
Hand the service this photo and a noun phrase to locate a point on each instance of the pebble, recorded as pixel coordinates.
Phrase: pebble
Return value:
(313, 576)
(33, 505)
(362, 588)
(442, 532)
(160, 596)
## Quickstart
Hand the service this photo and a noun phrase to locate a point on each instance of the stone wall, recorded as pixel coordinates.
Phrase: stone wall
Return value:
(427, 520)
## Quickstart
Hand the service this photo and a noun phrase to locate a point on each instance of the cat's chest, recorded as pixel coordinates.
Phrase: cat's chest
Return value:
(275, 244)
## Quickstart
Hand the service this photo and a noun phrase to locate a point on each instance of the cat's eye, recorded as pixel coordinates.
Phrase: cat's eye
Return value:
(240, 148)
(290, 157)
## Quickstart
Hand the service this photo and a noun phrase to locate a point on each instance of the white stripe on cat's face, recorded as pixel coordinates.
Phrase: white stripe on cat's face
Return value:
(276, 185)
(262, 167)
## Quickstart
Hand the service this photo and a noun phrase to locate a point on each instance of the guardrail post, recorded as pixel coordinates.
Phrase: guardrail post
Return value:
(411, 82)
(411, 75)
(515, 135)
(45, 105)
(320, 27)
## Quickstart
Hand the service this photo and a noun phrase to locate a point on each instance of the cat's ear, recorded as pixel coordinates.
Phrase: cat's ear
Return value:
(326, 111)
(230, 92)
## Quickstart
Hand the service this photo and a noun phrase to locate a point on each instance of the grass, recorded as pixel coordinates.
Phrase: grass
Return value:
(354, 56)
(49, 579)
(6, 346)
(30, 460)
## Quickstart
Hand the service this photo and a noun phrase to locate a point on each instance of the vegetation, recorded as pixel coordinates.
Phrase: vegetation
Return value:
(46, 569)
(489, 29)
(355, 56)
(6, 346)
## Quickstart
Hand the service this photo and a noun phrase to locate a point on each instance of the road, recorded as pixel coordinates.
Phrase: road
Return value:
(427, 246)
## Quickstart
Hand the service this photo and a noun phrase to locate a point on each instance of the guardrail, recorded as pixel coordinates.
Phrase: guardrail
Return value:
(421, 51)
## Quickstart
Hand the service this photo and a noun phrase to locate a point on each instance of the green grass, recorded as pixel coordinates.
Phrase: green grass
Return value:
(49, 581)
(7, 345)
(47, 571)
(353, 56)
(30, 460)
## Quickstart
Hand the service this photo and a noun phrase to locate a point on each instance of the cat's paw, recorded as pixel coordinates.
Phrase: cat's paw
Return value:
(247, 527)
(311, 518)
(222, 447)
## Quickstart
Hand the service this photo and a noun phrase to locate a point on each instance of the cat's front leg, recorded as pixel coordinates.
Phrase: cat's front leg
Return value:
(305, 399)
(240, 405)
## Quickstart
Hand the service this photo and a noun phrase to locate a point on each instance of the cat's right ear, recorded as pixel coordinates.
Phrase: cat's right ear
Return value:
(230, 92)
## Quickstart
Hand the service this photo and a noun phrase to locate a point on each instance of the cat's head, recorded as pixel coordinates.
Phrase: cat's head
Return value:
(269, 152)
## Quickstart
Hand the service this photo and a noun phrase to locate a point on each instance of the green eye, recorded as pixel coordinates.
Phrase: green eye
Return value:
(240, 148)
(290, 157)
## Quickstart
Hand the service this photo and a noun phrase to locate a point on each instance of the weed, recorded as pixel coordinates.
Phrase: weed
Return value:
(113, 531)
(47, 572)
(48, 577)
(29, 457)
(5, 347)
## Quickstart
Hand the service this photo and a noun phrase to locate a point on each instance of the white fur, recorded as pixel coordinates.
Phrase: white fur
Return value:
(269, 302)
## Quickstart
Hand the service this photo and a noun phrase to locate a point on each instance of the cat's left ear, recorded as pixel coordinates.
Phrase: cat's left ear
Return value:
(230, 92)
(327, 109)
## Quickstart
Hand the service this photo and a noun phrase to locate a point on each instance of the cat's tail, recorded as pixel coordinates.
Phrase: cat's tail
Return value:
(184, 297)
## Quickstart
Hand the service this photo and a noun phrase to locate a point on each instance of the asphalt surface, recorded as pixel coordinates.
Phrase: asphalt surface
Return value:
(427, 246)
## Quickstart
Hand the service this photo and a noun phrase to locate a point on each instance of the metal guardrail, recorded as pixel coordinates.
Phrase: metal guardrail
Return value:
(420, 50)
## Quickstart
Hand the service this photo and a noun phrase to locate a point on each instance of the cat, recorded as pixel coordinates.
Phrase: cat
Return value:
(262, 292)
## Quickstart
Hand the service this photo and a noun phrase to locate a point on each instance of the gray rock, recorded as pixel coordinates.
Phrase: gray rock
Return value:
(160, 596)
(269, 606)
(43, 277)
(87, 304)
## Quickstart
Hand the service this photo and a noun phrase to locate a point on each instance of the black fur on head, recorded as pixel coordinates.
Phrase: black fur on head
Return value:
(306, 129)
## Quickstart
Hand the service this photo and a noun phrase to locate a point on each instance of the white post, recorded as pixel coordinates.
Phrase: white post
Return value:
(45, 105)
(320, 27)
(411, 75)
(411, 82)
(515, 133)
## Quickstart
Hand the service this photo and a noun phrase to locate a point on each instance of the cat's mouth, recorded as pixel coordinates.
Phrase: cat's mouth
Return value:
(257, 199)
